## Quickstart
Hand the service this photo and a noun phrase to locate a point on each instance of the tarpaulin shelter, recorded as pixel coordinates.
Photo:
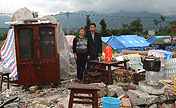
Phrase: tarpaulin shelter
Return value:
(104, 43)
(128, 42)
(70, 39)
(152, 38)
(164, 41)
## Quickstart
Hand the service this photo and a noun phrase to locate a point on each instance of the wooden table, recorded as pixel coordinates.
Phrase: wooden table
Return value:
(109, 64)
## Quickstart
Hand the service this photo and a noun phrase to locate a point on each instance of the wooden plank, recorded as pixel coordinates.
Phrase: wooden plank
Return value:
(82, 102)
(122, 96)
(126, 103)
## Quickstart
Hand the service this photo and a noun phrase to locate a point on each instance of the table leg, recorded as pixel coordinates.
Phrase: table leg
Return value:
(1, 80)
(71, 99)
(95, 99)
(109, 82)
(8, 81)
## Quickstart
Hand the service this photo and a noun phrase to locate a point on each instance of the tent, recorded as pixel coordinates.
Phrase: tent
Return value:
(104, 43)
(152, 38)
(128, 42)
(105, 39)
(139, 39)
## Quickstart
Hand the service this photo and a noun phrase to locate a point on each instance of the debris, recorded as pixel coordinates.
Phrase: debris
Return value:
(8, 101)
(33, 89)
(152, 89)
(37, 92)
(45, 103)
(126, 103)
(122, 96)
(42, 94)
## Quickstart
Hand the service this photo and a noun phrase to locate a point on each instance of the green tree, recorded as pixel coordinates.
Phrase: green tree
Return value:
(88, 22)
(103, 31)
(136, 26)
(35, 14)
(156, 22)
(172, 23)
(125, 29)
(162, 19)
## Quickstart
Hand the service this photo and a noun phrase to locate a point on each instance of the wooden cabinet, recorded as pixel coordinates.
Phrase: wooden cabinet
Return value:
(37, 57)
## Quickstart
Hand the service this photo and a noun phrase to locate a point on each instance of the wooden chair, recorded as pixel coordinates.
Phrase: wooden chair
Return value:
(84, 89)
(4, 77)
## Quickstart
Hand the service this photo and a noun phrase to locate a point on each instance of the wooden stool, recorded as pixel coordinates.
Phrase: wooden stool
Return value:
(4, 77)
(95, 77)
(85, 89)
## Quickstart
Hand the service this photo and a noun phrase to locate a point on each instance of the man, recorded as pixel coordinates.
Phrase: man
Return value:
(95, 44)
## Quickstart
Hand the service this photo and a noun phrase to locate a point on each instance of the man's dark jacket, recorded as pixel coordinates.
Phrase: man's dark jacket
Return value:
(95, 46)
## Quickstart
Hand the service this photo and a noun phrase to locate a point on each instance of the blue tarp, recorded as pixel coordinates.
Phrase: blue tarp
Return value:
(152, 38)
(127, 42)
(105, 39)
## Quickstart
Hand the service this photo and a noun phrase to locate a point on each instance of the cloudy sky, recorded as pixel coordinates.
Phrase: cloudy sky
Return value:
(48, 7)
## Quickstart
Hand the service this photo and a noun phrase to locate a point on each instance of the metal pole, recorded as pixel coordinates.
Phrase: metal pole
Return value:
(67, 13)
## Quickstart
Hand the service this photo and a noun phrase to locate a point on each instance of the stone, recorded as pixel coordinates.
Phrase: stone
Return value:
(111, 90)
(165, 105)
(153, 106)
(102, 91)
(154, 99)
(37, 92)
(33, 89)
(42, 94)
(115, 89)
(22, 14)
(114, 82)
(162, 98)
(151, 89)
(138, 97)
(50, 18)
(119, 91)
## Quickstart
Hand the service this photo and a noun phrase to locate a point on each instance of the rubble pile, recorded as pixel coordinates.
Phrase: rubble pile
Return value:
(57, 96)
(41, 96)
(140, 98)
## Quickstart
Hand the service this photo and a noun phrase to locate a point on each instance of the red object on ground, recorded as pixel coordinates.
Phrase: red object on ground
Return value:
(108, 53)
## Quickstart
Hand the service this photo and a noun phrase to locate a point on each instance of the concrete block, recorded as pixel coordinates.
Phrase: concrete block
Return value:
(119, 91)
(139, 98)
(151, 89)
(111, 90)
(153, 106)
(22, 14)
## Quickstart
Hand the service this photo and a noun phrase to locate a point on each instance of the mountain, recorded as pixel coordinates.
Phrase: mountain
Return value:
(3, 27)
(3, 19)
(113, 20)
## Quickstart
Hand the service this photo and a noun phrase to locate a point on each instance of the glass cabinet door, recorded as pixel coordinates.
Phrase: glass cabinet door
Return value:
(47, 42)
(25, 43)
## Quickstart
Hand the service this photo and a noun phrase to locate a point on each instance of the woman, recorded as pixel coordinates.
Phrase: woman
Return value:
(81, 52)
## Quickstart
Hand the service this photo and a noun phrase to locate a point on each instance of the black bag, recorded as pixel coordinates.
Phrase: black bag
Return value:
(152, 64)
